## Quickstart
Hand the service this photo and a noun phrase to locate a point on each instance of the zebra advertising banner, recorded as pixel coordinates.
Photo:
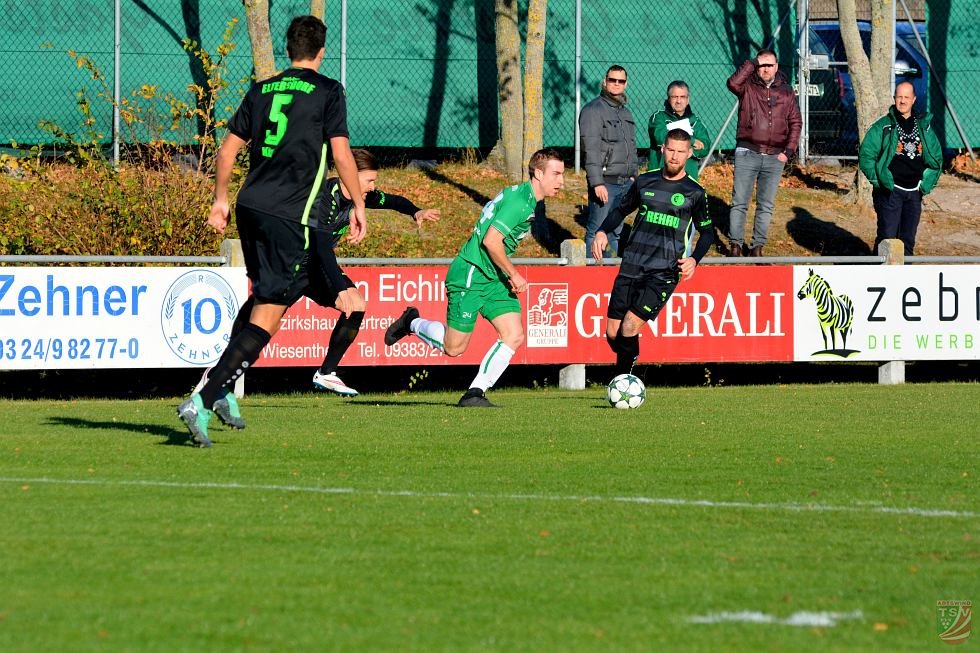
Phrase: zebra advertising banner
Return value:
(922, 312)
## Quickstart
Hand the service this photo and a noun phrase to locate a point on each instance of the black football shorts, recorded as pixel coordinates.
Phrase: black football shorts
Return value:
(277, 255)
(645, 296)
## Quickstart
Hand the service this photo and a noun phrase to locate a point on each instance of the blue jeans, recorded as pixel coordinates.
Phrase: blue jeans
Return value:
(751, 167)
(898, 214)
(597, 214)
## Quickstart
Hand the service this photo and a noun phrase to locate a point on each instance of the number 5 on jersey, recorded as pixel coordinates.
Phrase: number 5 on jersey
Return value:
(279, 100)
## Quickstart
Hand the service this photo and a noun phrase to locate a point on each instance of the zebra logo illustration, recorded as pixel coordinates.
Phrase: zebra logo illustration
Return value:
(834, 312)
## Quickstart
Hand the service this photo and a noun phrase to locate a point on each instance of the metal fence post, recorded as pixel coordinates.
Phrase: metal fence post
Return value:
(803, 78)
(231, 249)
(892, 372)
(572, 377)
(578, 84)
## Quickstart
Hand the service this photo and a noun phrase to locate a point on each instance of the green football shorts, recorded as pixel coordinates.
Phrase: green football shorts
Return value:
(471, 293)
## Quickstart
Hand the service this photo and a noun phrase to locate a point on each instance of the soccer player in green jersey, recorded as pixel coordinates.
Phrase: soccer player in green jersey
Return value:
(483, 281)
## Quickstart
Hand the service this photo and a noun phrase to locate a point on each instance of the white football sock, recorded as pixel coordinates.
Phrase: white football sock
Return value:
(430, 332)
(493, 365)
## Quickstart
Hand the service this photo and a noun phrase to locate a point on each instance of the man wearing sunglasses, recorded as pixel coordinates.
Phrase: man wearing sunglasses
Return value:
(769, 126)
(608, 134)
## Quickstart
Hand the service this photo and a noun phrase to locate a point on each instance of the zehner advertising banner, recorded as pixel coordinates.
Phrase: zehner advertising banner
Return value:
(73, 318)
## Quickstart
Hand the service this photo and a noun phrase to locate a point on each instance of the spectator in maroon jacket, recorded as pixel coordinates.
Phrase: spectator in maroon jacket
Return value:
(769, 125)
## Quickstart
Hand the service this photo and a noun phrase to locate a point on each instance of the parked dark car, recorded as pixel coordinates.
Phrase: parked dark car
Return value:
(910, 65)
(826, 93)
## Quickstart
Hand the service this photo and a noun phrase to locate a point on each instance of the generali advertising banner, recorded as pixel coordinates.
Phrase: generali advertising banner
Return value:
(921, 312)
(61, 318)
(722, 314)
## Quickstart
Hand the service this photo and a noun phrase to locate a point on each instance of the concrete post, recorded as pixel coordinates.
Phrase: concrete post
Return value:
(231, 249)
(572, 377)
(892, 372)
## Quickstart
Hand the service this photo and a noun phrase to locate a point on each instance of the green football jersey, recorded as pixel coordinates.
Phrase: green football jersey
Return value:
(510, 213)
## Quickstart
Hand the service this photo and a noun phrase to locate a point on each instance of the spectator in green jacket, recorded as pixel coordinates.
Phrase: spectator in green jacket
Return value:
(677, 114)
(902, 158)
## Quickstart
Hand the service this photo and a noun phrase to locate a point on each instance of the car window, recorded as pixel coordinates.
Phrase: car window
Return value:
(817, 45)
(910, 59)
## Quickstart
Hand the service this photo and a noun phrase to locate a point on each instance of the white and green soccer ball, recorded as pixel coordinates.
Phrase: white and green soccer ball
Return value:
(626, 391)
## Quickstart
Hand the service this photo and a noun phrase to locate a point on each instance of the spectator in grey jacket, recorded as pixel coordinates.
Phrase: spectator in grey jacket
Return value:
(609, 146)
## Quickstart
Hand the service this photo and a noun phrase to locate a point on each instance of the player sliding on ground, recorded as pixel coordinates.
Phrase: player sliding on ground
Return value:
(658, 255)
(482, 280)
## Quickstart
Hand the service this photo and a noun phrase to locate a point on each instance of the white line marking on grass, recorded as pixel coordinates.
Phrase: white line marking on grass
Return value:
(660, 501)
(800, 619)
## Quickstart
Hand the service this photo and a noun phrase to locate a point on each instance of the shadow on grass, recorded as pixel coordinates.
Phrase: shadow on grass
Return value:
(173, 436)
(814, 181)
(473, 193)
(547, 231)
(368, 403)
(822, 237)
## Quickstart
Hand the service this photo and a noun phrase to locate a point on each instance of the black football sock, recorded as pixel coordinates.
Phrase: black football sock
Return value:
(627, 351)
(612, 343)
(340, 340)
(243, 350)
(243, 316)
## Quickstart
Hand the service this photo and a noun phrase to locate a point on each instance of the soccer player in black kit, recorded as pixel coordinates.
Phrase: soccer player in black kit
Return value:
(288, 121)
(332, 210)
(672, 206)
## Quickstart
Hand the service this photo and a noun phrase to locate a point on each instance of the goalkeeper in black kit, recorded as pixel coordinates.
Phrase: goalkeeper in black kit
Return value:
(660, 251)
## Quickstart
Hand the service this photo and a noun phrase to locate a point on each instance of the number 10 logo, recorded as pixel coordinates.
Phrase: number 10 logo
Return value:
(196, 316)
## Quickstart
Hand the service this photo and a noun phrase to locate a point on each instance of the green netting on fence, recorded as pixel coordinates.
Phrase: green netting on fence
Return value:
(423, 73)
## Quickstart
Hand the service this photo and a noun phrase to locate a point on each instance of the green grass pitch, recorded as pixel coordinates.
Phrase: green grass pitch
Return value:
(762, 518)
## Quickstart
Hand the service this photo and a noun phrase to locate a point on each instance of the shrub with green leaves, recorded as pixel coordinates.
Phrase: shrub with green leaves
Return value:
(75, 200)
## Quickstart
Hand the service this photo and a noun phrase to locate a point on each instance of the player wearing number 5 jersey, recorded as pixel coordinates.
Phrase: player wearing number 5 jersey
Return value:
(288, 121)
(483, 281)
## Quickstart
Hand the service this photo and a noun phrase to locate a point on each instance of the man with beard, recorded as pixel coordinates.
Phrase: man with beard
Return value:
(660, 251)
(677, 114)
(609, 146)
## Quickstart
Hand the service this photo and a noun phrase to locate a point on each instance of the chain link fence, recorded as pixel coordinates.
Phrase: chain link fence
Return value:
(936, 49)
(422, 73)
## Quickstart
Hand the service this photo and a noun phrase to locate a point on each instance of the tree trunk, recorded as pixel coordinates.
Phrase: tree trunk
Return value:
(865, 98)
(259, 37)
(509, 91)
(881, 51)
(537, 13)
(317, 9)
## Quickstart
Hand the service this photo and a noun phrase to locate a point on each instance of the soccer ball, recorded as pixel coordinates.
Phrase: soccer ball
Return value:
(626, 391)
